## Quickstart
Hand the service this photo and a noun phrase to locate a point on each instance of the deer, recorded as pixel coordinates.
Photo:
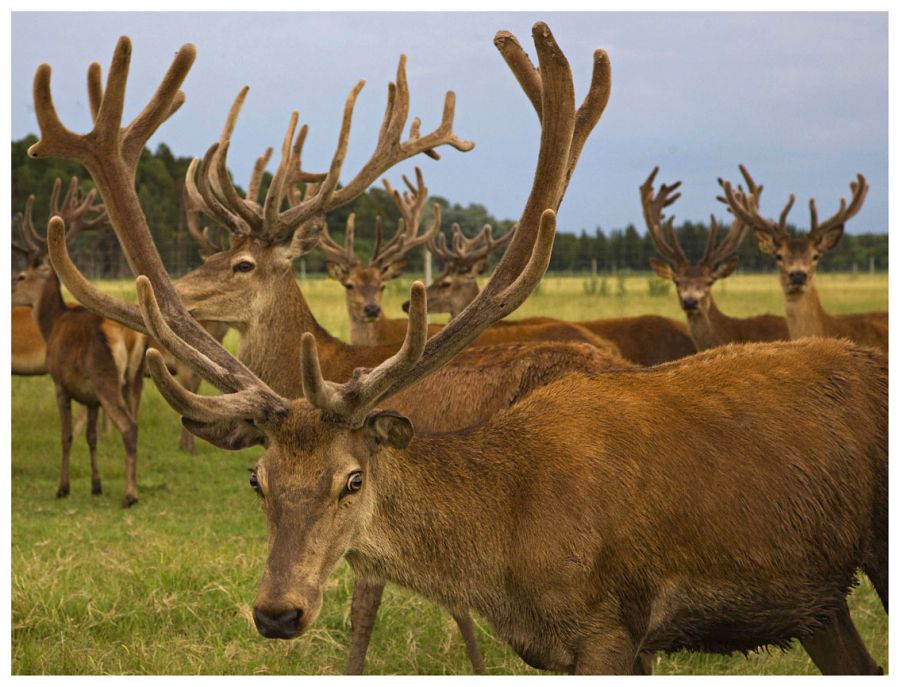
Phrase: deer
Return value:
(797, 259)
(28, 351)
(256, 269)
(365, 284)
(709, 326)
(543, 514)
(95, 362)
(644, 340)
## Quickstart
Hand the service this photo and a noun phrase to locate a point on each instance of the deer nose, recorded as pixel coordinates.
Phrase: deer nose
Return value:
(371, 310)
(797, 278)
(405, 306)
(277, 624)
(689, 304)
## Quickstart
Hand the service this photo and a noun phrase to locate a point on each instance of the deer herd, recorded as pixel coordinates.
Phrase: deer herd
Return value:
(598, 491)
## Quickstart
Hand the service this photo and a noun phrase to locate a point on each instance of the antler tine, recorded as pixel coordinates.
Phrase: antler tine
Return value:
(437, 244)
(652, 207)
(379, 237)
(202, 238)
(36, 245)
(518, 273)
(256, 177)
(746, 209)
(858, 190)
(335, 252)
(389, 149)
(588, 113)
(407, 237)
(710, 240)
(110, 153)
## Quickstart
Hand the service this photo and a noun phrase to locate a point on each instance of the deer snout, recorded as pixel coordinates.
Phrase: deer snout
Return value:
(689, 304)
(275, 623)
(371, 310)
(797, 278)
(405, 306)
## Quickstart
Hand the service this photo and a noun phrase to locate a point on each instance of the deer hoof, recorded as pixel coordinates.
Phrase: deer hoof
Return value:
(62, 492)
(129, 501)
(96, 489)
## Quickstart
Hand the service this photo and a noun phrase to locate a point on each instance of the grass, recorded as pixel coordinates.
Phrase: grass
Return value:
(166, 586)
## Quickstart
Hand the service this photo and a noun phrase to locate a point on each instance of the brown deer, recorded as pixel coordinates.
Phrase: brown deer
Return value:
(643, 340)
(28, 351)
(540, 517)
(93, 361)
(709, 326)
(797, 260)
(365, 284)
(260, 255)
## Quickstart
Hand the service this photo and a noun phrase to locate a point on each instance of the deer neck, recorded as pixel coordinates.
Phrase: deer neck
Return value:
(804, 313)
(710, 328)
(412, 508)
(368, 333)
(270, 340)
(49, 307)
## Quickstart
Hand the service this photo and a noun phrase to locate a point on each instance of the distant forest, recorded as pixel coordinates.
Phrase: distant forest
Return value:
(160, 178)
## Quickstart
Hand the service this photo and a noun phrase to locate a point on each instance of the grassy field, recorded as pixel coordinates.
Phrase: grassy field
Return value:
(166, 586)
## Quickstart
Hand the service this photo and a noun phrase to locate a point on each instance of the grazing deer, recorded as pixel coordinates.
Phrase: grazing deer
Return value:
(365, 284)
(582, 555)
(93, 361)
(709, 326)
(643, 340)
(797, 260)
(256, 269)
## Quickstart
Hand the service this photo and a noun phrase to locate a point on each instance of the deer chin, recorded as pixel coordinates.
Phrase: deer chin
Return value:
(794, 290)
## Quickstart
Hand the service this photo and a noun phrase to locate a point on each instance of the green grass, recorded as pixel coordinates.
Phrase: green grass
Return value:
(166, 587)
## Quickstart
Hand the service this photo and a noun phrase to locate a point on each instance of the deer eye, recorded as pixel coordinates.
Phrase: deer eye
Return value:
(254, 481)
(349, 287)
(244, 266)
(815, 257)
(777, 257)
(445, 285)
(381, 288)
(354, 483)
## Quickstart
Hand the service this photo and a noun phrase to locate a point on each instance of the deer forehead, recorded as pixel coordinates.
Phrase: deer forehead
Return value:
(305, 442)
(692, 274)
(365, 276)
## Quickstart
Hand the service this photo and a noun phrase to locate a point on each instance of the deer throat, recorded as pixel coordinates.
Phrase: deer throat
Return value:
(804, 314)
(367, 333)
(710, 328)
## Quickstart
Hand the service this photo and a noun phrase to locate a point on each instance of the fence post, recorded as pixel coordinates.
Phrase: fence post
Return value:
(302, 270)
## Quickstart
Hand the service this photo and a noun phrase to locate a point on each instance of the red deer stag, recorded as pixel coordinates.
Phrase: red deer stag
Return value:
(365, 284)
(93, 361)
(644, 339)
(797, 260)
(262, 254)
(28, 351)
(709, 326)
(547, 523)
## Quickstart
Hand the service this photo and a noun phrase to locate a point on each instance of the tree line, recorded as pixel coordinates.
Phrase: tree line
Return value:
(160, 180)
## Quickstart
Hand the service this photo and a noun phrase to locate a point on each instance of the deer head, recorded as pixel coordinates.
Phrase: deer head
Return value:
(464, 261)
(365, 284)
(79, 212)
(693, 281)
(796, 257)
(318, 476)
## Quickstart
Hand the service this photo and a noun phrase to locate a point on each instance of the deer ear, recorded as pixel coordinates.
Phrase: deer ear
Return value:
(231, 436)
(830, 238)
(662, 270)
(389, 427)
(765, 242)
(393, 270)
(726, 267)
(336, 271)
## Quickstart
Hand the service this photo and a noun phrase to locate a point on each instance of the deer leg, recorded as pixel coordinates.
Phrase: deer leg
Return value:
(91, 434)
(64, 405)
(119, 415)
(643, 664)
(80, 421)
(467, 630)
(608, 653)
(363, 611)
(837, 648)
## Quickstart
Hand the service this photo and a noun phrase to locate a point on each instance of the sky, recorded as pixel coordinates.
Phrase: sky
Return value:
(800, 98)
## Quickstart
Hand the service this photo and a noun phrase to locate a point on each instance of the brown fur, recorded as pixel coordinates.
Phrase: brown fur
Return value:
(93, 361)
(591, 532)
(28, 350)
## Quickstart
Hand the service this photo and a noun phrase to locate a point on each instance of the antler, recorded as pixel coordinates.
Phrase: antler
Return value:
(335, 252)
(517, 274)
(745, 207)
(110, 153)
(35, 247)
(661, 230)
(76, 208)
(467, 251)
(713, 254)
(411, 204)
(858, 191)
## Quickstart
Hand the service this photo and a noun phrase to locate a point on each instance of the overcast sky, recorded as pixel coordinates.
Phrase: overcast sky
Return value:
(800, 98)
